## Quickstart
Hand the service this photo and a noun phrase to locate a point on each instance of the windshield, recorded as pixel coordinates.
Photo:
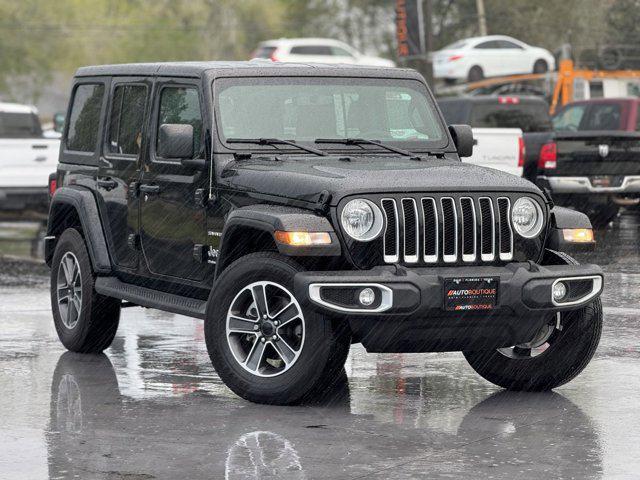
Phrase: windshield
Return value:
(306, 109)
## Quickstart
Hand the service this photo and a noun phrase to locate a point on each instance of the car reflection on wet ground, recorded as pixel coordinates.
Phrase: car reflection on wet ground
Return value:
(153, 407)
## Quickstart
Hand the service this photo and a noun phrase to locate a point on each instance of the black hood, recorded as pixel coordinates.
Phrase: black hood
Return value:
(303, 178)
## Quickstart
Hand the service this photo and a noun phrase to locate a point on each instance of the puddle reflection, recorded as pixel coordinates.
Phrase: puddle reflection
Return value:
(97, 430)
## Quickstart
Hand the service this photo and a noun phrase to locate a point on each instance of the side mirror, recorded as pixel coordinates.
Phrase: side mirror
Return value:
(463, 139)
(175, 141)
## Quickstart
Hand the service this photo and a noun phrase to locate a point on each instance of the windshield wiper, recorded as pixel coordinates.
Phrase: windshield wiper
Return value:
(364, 141)
(277, 141)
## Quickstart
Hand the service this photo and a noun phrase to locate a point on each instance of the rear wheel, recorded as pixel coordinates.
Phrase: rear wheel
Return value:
(85, 321)
(540, 66)
(558, 352)
(263, 345)
(602, 215)
(475, 74)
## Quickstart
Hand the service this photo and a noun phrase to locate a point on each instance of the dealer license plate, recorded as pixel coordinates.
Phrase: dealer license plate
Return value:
(470, 294)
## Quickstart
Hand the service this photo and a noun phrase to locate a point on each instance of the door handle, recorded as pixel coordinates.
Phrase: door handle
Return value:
(150, 189)
(106, 183)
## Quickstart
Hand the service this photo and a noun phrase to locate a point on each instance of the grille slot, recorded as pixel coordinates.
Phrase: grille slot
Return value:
(487, 230)
(468, 220)
(391, 242)
(431, 230)
(447, 229)
(506, 235)
(411, 238)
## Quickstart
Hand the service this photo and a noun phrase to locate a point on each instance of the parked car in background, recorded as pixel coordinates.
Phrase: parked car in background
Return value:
(473, 59)
(495, 120)
(316, 50)
(597, 164)
(26, 159)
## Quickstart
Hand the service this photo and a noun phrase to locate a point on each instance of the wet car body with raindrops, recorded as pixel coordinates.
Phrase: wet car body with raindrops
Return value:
(298, 209)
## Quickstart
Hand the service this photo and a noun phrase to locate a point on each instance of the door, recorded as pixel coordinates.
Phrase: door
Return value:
(515, 59)
(172, 218)
(487, 56)
(119, 167)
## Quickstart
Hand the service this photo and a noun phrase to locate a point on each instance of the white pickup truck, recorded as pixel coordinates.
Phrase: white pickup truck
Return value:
(499, 148)
(27, 157)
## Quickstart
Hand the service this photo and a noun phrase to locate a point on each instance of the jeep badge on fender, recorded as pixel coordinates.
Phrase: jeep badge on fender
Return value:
(299, 209)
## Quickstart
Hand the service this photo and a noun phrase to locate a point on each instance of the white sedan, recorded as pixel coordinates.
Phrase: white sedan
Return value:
(473, 59)
(315, 50)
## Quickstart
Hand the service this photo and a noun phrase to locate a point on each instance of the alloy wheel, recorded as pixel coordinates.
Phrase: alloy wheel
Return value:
(265, 329)
(536, 346)
(69, 290)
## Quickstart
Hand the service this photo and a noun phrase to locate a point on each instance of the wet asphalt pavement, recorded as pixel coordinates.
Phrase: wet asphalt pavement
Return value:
(153, 407)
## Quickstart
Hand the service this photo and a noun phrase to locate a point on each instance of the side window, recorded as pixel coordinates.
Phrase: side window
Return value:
(569, 119)
(340, 52)
(508, 44)
(488, 45)
(84, 120)
(182, 105)
(311, 50)
(126, 119)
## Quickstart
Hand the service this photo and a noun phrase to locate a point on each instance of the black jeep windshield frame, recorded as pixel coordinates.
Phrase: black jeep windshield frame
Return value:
(393, 111)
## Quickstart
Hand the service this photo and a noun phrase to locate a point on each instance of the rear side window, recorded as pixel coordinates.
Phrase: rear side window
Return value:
(311, 50)
(84, 120)
(181, 105)
(126, 119)
(603, 116)
(529, 117)
(19, 125)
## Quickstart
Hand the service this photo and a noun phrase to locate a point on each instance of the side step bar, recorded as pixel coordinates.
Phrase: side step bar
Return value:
(147, 297)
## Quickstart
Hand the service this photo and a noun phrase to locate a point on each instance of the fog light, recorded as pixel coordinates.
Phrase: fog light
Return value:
(367, 297)
(559, 291)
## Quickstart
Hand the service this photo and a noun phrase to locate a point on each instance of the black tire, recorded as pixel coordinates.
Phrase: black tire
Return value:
(602, 215)
(98, 317)
(321, 356)
(569, 351)
(541, 66)
(475, 74)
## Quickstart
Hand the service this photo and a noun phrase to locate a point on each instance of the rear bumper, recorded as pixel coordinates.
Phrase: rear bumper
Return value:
(410, 315)
(577, 185)
(22, 198)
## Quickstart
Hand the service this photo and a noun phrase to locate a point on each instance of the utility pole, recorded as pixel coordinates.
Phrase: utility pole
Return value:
(482, 18)
(428, 40)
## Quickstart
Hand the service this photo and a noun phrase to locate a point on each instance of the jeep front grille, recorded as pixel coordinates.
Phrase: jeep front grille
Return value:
(447, 230)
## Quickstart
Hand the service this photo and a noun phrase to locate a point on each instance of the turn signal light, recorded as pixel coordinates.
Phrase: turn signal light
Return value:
(578, 235)
(302, 239)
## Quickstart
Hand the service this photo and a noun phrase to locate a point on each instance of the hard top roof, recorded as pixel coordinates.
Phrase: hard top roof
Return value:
(247, 68)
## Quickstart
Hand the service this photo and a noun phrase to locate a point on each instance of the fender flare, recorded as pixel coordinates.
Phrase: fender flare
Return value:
(271, 218)
(564, 218)
(83, 202)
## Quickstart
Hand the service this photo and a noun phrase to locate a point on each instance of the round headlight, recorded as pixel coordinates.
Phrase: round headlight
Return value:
(527, 218)
(361, 220)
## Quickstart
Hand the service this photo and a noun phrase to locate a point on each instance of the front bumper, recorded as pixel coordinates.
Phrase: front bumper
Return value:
(412, 315)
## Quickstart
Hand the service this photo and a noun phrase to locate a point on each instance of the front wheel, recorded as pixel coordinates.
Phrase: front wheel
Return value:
(262, 343)
(559, 351)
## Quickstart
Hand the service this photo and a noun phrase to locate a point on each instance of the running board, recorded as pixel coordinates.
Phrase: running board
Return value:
(147, 297)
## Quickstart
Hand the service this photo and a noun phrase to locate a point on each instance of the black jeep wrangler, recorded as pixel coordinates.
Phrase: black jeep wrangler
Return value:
(299, 209)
